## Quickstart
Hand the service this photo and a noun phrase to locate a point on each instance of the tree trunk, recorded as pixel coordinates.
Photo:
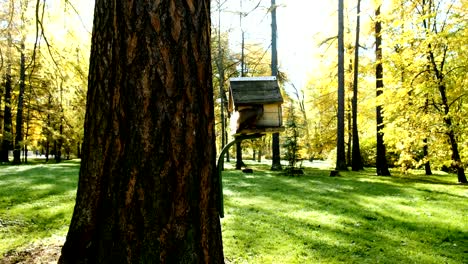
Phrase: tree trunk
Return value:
(78, 149)
(427, 164)
(350, 135)
(456, 160)
(381, 162)
(239, 162)
(356, 164)
(7, 120)
(276, 156)
(19, 112)
(7, 138)
(48, 133)
(340, 141)
(220, 66)
(58, 153)
(228, 159)
(147, 191)
(438, 70)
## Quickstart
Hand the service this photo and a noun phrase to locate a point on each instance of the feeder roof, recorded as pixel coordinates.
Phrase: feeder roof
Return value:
(255, 90)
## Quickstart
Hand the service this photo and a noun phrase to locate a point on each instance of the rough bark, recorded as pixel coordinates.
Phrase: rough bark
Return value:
(147, 191)
(340, 141)
(381, 162)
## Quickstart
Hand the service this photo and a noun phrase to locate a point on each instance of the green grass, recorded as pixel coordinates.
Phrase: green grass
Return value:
(355, 218)
(36, 202)
(274, 218)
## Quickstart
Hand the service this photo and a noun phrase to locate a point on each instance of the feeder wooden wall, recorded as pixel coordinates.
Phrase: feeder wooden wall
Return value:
(249, 93)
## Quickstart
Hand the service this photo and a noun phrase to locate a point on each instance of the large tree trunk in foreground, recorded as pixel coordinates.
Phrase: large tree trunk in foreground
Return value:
(146, 190)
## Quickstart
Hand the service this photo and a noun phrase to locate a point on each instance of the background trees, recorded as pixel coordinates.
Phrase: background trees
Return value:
(416, 124)
(416, 133)
(44, 70)
(426, 98)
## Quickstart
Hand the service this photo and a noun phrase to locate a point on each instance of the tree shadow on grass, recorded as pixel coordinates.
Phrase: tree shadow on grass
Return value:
(20, 183)
(36, 201)
(344, 219)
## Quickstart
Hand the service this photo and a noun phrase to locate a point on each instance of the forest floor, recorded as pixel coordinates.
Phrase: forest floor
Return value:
(270, 217)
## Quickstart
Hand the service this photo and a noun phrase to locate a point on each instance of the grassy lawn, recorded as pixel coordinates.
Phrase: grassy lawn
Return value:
(36, 203)
(355, 218)
(274, 218)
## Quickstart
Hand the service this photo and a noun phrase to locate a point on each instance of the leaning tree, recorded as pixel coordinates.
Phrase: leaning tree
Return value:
(146, 191)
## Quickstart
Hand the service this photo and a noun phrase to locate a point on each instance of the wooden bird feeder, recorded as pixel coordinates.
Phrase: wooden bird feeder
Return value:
(255, 105)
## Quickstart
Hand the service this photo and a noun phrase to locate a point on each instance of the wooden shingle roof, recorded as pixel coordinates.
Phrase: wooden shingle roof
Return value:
(255, 90)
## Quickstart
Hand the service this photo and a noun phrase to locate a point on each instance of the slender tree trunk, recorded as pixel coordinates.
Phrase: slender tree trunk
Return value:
(357, 158)
(456, 160)
(429, 24)
(381, 163)
(47, 150)
(340, 141)
(146, 191)
(7, 121)
(19, 112)
(58, 153)
(276, 156)
(350, 134)
(78, 149)
(26, 134)
(7, 138)
(228, 158)
(48, 133)
(220, 66)
(427, 164)
(239, 161)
